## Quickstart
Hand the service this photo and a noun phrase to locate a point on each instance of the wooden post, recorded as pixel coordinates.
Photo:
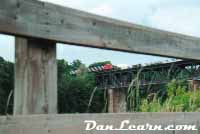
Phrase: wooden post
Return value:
(35, 77)
(116, 101)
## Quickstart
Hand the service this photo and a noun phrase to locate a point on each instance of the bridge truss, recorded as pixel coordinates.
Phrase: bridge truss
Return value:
(154, 74)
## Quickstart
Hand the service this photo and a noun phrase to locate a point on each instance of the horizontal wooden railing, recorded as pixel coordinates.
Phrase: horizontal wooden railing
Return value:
(31, 18)
(75, 123)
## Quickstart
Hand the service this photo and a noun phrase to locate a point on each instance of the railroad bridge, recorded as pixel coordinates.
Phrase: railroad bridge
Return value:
(154, 74)
(148, 78)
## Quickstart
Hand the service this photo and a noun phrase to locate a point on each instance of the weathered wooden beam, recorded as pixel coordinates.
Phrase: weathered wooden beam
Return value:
(32, 18)
(35, 77)
(117, 101)
(74, 124)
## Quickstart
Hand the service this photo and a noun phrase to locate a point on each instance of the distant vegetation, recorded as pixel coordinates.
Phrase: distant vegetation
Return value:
(6, 84)
(76, 92)
(177, 98)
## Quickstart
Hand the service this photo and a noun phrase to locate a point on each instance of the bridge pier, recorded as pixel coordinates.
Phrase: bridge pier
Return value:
(116, 101)
(194, 84)
(35, 77)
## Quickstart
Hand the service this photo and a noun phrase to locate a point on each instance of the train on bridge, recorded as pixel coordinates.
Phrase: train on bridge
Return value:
(109, 77)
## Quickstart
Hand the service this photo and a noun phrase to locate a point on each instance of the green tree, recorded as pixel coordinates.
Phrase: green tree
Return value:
(76, 64)
(74, 91)
(6, 85)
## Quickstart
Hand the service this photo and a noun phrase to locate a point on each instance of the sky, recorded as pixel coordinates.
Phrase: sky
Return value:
(181, 16)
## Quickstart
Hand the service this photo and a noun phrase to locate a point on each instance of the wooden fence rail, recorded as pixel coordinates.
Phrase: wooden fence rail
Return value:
(31, 18)
(74, 123)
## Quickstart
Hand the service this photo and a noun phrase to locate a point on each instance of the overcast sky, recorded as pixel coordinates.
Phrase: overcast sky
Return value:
(180, 16)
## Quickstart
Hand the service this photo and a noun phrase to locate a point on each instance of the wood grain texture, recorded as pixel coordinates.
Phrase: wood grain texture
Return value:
(35, 77)
(32, 18)
(74, 124)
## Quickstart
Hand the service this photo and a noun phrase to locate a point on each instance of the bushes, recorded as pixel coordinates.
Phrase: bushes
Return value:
(6, 85)
(73, 92)
(153, 106)
(178, 100)
(74, 96)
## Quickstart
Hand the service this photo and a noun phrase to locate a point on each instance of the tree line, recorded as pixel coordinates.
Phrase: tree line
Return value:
(74, 92)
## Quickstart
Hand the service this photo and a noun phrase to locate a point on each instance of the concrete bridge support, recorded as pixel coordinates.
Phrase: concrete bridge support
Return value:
(116, 101)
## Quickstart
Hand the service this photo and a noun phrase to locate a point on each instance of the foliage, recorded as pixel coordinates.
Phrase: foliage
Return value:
(73, 91)
(74, 94)
(179, 100)
(134, 95)
(6, 84)
(76, 64)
